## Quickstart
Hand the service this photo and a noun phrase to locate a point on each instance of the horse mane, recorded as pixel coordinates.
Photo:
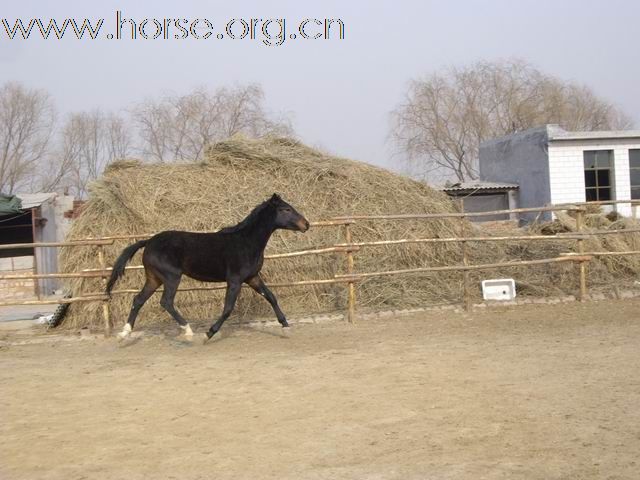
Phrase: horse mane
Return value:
(248, 220)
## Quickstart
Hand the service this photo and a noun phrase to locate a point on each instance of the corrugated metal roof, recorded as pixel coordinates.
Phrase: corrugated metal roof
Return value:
(480, 186)
(32, 200)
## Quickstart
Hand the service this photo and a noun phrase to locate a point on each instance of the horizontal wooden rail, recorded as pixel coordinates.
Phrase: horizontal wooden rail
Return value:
(53, 301)
(300, 253)
(376, 243)
(593, 233)
(317, 251)
(78, 243)
(39, 276)
(97, 297)
(602, 254)
(462, 268)
(142, 236)
(107, 271)
(600, 202)
(336, 222)
(222, 286)
(559, 236)
(428, 216)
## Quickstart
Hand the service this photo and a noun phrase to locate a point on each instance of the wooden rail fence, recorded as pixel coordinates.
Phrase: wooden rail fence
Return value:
(349, 247)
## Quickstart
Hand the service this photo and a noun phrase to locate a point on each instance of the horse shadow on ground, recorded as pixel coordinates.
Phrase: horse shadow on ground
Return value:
(178, 340)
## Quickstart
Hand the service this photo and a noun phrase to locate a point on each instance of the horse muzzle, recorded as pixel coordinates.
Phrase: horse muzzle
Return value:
(303, 225)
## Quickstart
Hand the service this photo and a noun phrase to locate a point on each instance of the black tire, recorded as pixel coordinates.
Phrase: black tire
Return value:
(59, 314)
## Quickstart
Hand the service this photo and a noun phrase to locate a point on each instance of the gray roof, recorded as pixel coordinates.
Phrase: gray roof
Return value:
(32, 200)
(522, 134)
(480, 187)
(555, 132)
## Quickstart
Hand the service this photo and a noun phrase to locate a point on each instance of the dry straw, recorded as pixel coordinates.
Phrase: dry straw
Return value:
(137, 198)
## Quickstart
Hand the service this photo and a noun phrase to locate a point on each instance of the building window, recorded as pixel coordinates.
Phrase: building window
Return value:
(634, 172)
(597, 175)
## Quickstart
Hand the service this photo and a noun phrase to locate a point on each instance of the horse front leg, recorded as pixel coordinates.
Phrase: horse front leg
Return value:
(231, 295)
(259, 286)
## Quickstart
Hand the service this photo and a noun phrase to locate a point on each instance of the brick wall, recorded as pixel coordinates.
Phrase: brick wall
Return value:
(566, 174)
(566, 171)
(17, 289)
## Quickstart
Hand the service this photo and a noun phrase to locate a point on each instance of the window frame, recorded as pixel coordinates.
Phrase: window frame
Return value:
(632, 168)
(596, 187)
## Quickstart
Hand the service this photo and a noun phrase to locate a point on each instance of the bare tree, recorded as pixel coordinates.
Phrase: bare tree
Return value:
(26, 124)
(445, 117)
(174, 128)
(89, 141)
(178, 128)
(118, 139)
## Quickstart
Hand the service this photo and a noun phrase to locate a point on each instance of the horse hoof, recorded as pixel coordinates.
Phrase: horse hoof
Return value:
(206, 338)
(126, 331)
(286, 331)
(187, 332)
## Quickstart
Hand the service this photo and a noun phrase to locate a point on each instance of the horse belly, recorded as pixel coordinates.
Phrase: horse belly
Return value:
(206, 272)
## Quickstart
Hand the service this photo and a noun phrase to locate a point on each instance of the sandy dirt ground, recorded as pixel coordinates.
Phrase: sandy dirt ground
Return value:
(528, 392)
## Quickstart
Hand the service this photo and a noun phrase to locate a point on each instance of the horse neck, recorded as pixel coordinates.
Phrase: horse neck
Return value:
(261, 229)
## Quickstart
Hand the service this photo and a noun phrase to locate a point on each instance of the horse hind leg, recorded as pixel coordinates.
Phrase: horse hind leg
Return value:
(150, 286)
(168, 296)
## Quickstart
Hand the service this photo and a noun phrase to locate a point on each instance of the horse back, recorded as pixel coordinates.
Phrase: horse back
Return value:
(202, 256)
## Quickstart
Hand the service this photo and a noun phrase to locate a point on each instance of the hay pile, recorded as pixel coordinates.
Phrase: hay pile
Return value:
(562, 279)
(603, 271)
(133, 197)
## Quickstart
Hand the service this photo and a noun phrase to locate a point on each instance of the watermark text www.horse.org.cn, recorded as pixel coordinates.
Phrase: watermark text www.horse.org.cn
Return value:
(268, 31)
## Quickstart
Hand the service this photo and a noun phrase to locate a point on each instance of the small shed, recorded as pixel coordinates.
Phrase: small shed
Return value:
(31, 218)
(485, 197)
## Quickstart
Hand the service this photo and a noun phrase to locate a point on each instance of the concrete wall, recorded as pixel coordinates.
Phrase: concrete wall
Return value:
(566, 170)
(54, 230)
(62, 204)
(520, 158)
(486, 202)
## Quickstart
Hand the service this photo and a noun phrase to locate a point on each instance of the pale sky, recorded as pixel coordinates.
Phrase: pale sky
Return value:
(338, 92)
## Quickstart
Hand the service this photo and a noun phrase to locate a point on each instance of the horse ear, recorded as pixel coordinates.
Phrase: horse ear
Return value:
(275, 198)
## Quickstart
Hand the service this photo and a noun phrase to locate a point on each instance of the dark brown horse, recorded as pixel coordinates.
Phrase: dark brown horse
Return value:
(234, 254)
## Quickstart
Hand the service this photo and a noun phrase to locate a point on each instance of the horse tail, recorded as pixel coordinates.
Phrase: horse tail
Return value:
(121, 262)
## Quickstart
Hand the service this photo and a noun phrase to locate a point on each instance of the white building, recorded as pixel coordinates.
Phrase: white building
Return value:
(553, 166)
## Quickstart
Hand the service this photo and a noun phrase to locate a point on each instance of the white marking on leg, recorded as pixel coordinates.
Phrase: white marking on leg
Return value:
(187, 330)
(126, 331)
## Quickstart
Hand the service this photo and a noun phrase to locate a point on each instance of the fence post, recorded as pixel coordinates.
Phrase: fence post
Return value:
(582, 266)
(106, 314)
(351, 300)
(466, 288)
